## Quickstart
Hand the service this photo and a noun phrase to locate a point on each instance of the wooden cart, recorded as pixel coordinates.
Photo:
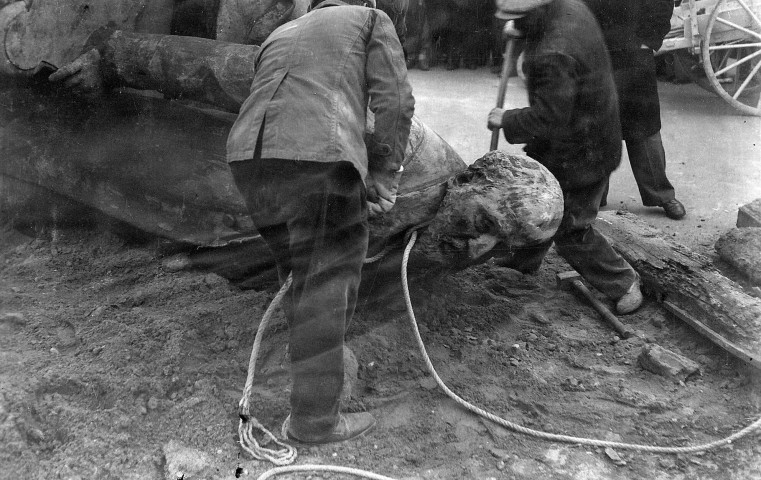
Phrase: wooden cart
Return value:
(725, 37)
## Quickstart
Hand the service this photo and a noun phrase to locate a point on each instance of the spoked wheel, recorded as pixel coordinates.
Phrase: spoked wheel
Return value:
(731, 53)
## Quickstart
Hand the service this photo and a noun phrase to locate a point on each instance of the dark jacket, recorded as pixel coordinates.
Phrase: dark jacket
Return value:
(572, 125)
(633, 30)
(314, 80)
(629, 24)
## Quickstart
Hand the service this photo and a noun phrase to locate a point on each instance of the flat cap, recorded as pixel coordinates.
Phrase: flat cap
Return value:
(512, 9)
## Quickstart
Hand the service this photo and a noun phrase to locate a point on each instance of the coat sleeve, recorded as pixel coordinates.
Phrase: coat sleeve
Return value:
(554, 88)
(654, 22)
(397, 12)
(390, 93)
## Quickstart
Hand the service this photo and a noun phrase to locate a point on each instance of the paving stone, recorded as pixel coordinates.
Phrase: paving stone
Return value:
(661, 361)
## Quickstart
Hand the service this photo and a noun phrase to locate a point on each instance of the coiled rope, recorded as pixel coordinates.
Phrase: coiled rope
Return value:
(287, 457)
(285, 454)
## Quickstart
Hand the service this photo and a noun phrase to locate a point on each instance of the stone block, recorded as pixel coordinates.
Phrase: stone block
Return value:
(750, 215)
(661, 361)
(741, 248)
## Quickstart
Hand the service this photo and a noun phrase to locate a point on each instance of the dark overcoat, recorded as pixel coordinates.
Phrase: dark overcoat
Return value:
(633, 31)
(571, 125)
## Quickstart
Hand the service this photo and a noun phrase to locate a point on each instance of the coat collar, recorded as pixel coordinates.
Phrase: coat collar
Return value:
(330, 3)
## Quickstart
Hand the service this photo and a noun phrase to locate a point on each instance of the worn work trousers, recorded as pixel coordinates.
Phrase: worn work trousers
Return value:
(313, 217)
(583, 247)
(648, 161)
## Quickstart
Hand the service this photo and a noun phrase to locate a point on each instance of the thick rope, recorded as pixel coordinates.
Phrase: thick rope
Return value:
(536, 433)
(248, 424)
(286, 454)
(321, 468)
(468, 406)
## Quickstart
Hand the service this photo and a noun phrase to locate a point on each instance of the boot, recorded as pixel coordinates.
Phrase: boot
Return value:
(674, 209)
(350, 425)
(631, 300)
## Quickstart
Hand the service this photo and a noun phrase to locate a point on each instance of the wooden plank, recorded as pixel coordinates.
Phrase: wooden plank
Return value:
(719, 340)
(688, 285)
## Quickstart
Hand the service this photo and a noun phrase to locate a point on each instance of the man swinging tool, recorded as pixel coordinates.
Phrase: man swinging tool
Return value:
(571, 127)
(298, 156)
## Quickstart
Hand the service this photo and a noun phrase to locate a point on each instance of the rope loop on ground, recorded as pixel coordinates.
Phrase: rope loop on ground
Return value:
(248, 424)
(322, 468)
(287, 455)
(537, 433)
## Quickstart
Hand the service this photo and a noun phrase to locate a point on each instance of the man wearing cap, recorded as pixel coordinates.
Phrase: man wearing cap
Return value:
(299, 158)
(572, 127)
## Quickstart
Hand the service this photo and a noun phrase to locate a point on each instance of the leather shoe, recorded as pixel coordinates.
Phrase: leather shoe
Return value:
(674, 209)
(631, 300)
(350, 425)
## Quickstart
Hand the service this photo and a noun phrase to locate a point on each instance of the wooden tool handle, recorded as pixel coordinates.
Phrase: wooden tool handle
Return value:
(622, 329)
(507, 61)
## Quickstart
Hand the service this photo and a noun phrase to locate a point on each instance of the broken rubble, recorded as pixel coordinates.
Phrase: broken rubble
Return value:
(661, 361)
(183, 462)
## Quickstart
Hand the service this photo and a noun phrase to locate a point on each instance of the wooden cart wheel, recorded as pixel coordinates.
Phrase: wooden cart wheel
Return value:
(731, 53)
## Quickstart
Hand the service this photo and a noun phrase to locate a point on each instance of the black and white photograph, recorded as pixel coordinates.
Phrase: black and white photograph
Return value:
(380, 239)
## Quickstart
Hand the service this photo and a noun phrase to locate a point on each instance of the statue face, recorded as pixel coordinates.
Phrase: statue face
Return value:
(506, 200)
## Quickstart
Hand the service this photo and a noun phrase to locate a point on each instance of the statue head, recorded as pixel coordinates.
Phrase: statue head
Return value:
(501, 201)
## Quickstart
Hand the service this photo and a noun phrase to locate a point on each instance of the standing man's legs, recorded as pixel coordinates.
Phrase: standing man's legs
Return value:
(590, 254)
(648, 161)
(314, 219)
(640, 112)
(328, 247)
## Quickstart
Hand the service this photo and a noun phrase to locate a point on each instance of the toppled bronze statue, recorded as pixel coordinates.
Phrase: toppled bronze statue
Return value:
(157, 161)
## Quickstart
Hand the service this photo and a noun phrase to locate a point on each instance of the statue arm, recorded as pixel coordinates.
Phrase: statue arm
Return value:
(209, 71)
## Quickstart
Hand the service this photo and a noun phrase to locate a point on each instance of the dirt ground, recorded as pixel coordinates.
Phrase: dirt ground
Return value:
(114, 367)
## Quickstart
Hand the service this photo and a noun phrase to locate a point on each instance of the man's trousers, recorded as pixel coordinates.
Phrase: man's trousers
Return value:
(648, 161)
(313, 216)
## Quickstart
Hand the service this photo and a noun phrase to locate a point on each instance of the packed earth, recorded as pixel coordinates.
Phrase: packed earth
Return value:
(116, 366)
(120, 362)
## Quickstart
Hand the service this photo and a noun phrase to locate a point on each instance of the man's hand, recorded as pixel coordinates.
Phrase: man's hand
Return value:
(495, 119)
(381, 190)
(83, 75)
